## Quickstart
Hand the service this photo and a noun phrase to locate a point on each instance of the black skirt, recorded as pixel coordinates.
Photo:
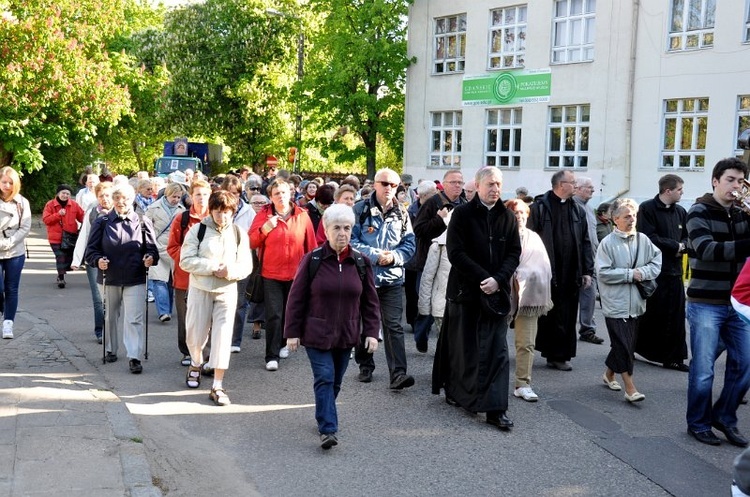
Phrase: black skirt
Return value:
(622, 337)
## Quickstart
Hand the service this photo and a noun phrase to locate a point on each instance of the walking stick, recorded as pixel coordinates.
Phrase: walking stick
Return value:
(104, 327)
(145, 355)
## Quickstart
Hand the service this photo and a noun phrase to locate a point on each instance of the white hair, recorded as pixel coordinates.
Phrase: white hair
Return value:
(338, 213)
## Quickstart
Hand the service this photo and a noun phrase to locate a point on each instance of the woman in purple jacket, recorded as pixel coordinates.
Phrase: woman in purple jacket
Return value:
(333, 296)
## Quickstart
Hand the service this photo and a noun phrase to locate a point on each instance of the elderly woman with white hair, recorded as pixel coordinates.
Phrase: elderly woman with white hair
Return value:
(122, 244)
(624, 258)
(332, 293)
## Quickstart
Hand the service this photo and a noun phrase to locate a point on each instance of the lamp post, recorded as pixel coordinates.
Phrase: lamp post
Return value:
(300, 75)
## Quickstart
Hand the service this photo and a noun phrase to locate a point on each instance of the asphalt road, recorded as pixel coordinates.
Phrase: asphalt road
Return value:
(580, 439)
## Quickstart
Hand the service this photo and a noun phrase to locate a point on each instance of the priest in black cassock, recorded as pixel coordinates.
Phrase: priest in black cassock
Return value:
(562, 225)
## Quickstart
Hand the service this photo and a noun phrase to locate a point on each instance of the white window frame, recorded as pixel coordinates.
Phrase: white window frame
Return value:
(502, 137)
(449, 44)
(507, 43)
(683, 35)
(574, 122)
(573, 31)
(685, 149)
(747, 23)
(743, 119)
(446, 129)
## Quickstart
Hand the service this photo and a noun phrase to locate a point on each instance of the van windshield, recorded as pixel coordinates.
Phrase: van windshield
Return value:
(167, 165)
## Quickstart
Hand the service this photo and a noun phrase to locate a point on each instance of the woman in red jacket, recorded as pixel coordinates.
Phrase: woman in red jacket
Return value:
(283, 233)
(60, 214)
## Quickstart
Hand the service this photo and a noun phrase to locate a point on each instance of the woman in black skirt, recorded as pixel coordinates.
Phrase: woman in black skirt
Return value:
(624, 257)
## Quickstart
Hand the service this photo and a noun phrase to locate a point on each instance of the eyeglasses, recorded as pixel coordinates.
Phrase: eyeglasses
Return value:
(387, 183)
(258, 203)
(574, 183)
(253, 188)
(455, 182)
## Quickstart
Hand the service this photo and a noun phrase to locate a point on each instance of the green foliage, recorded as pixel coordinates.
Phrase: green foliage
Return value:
(355, 75)
(57, 85)
(228, 62)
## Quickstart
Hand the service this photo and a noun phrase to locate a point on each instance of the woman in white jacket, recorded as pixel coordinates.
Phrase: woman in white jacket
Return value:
(161, 213)
(624, 257)
(434, 281)
(216, 253)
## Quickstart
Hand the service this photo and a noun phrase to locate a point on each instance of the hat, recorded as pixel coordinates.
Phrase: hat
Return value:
(406, 178)
(178, 177)
(63, 187)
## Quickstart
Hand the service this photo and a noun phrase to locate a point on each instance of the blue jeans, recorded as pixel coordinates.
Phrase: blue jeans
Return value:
(11, 278)
(328, 367)
(163, 296)
(96, 298)
(711, 328)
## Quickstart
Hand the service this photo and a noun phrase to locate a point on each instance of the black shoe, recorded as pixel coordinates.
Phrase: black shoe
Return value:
(677, 366)
(733, 435)
(705, 437)
(422, 346)
(365, 376)
(561, 365)
(110, 357)
(451, 401)
(207, 371)
(500, 420)
(135, 366)
(256, 334)
(592, 338)
(402, 381)
(743, 401)
(328, 440)
(60, 283)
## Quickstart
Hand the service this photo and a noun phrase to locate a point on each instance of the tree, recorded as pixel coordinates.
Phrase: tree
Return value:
(355, 73)
(57, 82)
(227, 61)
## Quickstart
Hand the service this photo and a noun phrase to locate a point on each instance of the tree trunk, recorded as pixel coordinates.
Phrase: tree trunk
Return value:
(6, 157)
(370, 139)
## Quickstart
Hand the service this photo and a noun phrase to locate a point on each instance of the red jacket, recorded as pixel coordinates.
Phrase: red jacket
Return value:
(282, 249)
(56, 223)
(180, 279)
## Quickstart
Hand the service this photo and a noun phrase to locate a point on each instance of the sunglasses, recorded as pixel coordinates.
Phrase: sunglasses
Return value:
(258, 203)
(253, 188)
(387, 183)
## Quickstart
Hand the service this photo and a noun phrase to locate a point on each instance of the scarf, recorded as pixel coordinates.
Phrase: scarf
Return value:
(531, 290)
(143, 202)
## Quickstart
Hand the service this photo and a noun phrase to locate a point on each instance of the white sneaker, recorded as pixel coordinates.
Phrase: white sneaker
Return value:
(526, 393)
(234, 349)
(284, 352)
(8, 329)
(272, 365)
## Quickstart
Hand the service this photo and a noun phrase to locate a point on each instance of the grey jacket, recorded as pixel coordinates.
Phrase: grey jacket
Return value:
(15, 224)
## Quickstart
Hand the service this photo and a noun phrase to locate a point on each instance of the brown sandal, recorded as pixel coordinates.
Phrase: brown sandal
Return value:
(192, 377)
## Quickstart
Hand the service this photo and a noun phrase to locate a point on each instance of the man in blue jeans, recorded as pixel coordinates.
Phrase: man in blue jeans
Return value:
(719, 239)
(382, 232)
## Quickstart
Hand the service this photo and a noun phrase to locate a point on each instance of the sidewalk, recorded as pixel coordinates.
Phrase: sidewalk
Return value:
(62, 432)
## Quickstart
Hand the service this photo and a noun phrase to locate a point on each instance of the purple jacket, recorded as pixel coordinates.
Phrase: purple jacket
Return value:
(326, 313)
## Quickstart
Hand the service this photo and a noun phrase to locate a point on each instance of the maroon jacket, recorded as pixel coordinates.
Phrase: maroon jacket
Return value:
(325, 313)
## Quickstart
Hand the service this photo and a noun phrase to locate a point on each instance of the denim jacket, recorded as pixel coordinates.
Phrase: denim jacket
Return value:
(375, 232)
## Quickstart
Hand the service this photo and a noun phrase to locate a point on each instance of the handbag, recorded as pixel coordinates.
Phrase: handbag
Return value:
(254, 289)
(646, 288)
(496, 304)
(69, 240)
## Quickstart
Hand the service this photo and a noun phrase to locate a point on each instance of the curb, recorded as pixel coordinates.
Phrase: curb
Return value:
(136, 473)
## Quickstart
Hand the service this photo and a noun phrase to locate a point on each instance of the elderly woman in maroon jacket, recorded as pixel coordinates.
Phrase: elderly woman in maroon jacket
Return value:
(333, 292)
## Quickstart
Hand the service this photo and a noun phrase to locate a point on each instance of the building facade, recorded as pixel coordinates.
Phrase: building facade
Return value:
(622, 92)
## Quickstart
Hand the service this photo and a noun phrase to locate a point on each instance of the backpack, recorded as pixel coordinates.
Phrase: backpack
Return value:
(402, 215)
(359, 260)
(184, 224)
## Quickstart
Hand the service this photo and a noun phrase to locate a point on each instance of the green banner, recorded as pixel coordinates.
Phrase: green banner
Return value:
(507, 88)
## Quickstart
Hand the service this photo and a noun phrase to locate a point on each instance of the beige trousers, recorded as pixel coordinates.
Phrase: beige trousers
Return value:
(525, 331)
(210, 313)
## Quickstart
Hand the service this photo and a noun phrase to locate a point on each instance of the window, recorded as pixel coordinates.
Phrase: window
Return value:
(573, 31)
(743, 116)
(445, 132)
(507, 37)
(747, 23)
(569, 136)
(503, 138)
(685, 125)
(450, 44)
(692, 24)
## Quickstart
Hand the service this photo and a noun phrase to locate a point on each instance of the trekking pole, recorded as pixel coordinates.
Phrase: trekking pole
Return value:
(104, 327)
(145, 355)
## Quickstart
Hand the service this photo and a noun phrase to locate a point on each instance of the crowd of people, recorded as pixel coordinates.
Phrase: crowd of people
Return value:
(340, 263)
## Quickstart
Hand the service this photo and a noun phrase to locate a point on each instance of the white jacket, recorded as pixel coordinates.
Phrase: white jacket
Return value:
(15, 224)
(160, 218)
(217, 247)
(434, 279)
(245, 216)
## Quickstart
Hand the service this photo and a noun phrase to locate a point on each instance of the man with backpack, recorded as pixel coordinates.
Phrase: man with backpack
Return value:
(382, 232)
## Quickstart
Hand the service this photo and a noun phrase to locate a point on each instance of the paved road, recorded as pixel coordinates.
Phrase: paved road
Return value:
(580, 439)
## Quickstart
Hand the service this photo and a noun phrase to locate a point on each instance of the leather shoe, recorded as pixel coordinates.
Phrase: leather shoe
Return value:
(422, 346)
(592, 338)
(733, 435)
(110, 357)
(677, 366)
(365, 376)
(402, 381)
(705, 437)
(561, 365)
(135, 366)
(451, 401)
(499, 420)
